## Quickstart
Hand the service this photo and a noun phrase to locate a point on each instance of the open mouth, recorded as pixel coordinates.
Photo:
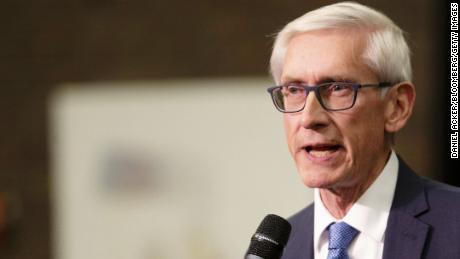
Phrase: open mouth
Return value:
(322, 150)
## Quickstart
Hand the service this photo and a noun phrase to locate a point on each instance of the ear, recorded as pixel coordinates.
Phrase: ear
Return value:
(399, 102)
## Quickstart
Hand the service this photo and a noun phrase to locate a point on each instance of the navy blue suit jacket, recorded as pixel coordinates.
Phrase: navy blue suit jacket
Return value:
(424, 222)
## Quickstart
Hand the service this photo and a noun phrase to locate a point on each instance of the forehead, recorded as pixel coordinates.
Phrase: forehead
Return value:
(330, 53)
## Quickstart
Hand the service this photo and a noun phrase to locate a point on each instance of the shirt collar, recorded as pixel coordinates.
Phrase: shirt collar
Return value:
(370, 213)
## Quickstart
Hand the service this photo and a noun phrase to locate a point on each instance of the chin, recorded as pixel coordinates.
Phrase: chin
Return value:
(316, 179)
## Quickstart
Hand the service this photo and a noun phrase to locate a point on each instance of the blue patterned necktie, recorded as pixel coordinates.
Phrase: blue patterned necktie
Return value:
(340, 236)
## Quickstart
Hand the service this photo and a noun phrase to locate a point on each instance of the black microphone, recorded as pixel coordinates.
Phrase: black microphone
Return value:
(270, 238)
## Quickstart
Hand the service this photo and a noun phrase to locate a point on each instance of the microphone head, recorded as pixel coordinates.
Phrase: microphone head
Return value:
(270, 238)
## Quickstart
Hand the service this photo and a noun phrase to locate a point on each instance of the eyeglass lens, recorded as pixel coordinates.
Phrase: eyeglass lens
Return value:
(332, 96)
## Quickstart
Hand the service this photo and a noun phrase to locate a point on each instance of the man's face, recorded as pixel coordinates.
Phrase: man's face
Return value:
(334, 149)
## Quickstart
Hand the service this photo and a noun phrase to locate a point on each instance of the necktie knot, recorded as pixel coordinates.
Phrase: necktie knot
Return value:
(340, 235)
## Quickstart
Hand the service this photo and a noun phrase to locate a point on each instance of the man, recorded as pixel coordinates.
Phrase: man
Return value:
(344, 85)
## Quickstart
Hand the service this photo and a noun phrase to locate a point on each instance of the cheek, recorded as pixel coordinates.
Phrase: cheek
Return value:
(368, 132)
(290, 130)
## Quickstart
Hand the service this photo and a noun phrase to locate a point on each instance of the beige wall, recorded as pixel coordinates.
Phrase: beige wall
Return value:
(167, 169)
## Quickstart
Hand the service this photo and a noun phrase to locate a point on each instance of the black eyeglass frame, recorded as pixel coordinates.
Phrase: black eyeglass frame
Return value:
(308, 89)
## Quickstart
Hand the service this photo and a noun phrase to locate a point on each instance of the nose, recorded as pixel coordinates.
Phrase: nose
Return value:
(313, 116)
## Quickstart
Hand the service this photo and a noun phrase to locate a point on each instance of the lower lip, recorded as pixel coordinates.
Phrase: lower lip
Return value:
(332, 156)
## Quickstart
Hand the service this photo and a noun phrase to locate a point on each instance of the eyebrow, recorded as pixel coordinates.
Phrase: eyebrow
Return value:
(335, 79)
(326, 79)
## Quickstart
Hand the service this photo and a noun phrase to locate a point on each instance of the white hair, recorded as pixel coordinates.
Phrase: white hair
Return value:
(386, 53)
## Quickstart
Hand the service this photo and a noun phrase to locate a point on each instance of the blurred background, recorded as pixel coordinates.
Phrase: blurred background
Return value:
(142, 129)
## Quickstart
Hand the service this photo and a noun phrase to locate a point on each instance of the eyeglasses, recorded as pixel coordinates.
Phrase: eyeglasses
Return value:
(333, 96)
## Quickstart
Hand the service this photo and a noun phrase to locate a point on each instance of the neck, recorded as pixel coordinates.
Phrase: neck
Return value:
(339, 200)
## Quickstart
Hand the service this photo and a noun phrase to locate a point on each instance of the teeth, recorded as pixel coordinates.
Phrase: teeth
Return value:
(317, 153)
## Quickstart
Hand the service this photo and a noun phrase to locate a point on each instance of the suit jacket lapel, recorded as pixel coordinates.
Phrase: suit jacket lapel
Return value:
(405, 235)
(306, 232)
(300, 245)
(309, 237)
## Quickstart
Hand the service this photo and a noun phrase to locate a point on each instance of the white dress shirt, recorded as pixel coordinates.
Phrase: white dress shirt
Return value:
(369, 215)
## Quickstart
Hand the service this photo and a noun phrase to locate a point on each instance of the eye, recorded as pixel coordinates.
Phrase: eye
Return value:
(295, 90)
(339, 89)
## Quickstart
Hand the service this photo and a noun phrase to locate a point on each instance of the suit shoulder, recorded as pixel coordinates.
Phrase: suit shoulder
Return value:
(443, 198)
(444, 191)
(438, 195)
